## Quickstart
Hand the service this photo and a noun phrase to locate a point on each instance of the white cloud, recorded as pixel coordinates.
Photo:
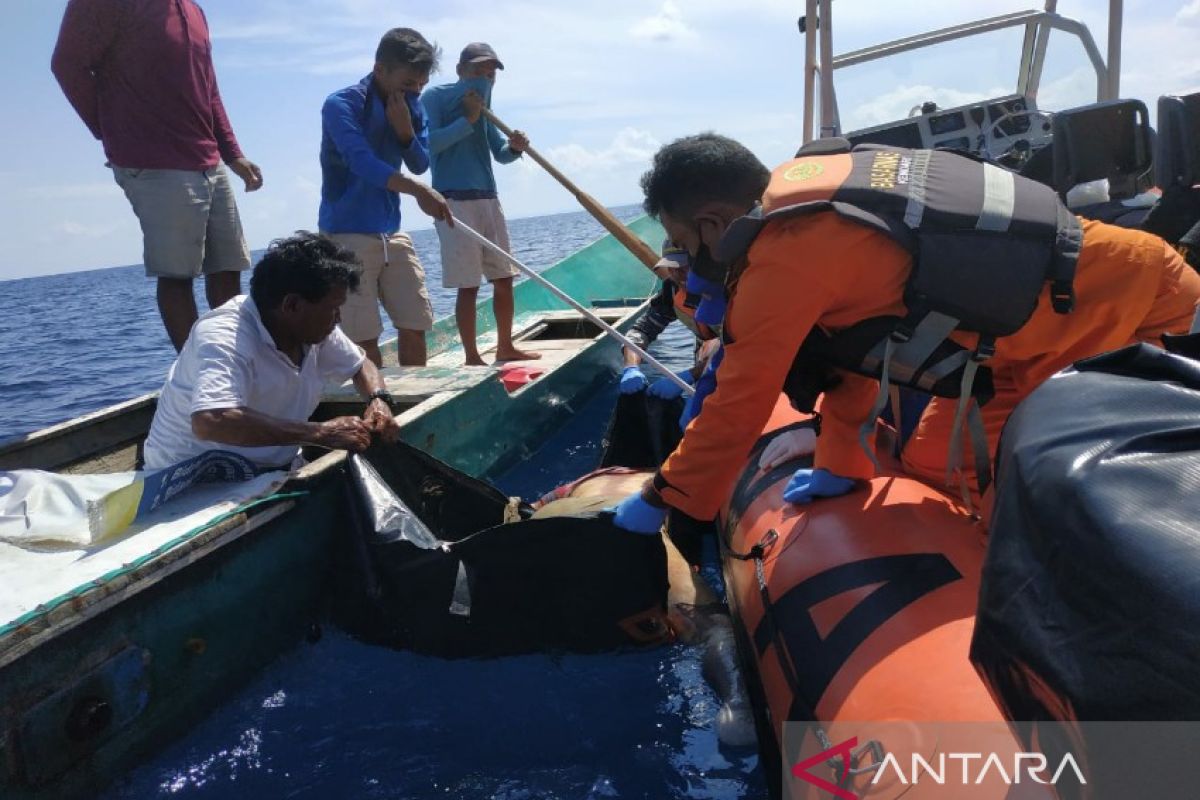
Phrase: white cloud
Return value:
(91, 231)
(76, 191)
(665, 26)
(629, 146)
(898, 102)
(596, 83)
(278, 30)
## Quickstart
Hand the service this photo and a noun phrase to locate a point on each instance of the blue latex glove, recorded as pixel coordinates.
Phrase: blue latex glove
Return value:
(705, 386)
(809, 484)
(637, 516)
(711, 308)
(668, 389)
(632, 380)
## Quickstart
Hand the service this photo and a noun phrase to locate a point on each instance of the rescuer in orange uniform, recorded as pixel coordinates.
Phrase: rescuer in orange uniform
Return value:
(824, 270)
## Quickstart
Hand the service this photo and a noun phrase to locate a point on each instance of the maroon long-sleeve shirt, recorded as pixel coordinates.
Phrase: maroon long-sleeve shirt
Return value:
(140, 74)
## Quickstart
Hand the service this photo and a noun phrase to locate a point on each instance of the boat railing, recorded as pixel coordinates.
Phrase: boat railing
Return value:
(820, 63)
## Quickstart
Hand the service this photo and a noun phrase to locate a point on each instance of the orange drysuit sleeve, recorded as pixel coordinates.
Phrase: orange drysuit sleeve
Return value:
(800, 273)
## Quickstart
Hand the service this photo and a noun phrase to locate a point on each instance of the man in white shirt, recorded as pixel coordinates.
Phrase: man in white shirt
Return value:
(251, 372)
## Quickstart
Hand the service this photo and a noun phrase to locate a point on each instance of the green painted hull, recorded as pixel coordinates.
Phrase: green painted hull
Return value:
(92, 686)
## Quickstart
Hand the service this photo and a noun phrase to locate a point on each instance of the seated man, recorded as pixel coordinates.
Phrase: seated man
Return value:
(250, 374)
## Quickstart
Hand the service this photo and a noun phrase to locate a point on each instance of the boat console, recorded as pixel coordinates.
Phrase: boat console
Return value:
(989, 129)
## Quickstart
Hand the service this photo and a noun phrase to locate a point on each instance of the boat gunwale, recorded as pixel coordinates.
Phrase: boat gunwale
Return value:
(89, 599)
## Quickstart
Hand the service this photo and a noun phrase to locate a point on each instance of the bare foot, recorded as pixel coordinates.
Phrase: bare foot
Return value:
(517, 355)
(477, 361)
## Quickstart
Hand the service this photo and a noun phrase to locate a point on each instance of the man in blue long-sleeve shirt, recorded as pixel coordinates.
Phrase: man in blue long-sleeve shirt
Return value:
(368, 131)
(463, 143)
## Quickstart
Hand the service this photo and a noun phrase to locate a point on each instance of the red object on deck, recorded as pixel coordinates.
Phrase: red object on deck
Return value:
(514, 376)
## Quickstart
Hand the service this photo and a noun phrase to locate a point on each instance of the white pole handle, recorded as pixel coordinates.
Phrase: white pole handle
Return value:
(459, 225)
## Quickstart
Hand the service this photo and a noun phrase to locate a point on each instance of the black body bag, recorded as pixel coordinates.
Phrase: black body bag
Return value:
(432, 565)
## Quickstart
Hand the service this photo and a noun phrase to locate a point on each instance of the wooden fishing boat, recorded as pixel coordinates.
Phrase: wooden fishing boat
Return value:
(93, 678)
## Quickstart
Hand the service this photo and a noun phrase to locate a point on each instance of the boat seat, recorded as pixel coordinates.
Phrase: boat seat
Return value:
(1103, 141)
(1177, 151)
(412, 385)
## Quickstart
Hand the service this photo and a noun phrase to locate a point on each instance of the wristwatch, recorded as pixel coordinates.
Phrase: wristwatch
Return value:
(384, 395)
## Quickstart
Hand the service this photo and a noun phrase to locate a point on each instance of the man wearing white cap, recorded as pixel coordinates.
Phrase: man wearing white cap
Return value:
(462, 144)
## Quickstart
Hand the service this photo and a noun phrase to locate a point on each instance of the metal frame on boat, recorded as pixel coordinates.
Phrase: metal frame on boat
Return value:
(820, 62)
(92, 680)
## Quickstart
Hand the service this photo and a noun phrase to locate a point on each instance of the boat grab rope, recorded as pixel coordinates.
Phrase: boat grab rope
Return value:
(98, 583)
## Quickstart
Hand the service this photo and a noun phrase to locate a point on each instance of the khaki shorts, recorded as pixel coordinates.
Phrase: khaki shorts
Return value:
(465, 262)
(391, 273)
(190, 223)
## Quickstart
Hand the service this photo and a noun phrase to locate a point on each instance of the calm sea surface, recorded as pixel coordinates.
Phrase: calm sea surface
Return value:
(75, 343)
(343, 719)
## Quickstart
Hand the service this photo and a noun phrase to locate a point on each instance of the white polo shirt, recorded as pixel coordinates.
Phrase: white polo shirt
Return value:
(231, 361)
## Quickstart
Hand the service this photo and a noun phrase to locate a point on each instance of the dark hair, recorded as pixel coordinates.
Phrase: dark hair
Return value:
(695, 170)
(405, 47)
(305, 264)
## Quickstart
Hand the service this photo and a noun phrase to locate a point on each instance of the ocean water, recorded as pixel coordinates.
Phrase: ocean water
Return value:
(343, 719)
(75, 343)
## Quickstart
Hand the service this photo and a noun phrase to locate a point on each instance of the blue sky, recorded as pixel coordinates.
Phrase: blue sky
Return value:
(597, 84)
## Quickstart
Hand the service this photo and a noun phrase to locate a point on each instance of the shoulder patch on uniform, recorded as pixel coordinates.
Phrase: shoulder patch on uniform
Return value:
(804, 171)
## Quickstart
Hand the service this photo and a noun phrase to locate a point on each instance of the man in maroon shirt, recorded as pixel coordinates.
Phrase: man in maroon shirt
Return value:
(140, 75)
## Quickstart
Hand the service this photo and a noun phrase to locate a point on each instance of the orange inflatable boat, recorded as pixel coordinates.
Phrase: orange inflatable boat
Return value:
(854, 611)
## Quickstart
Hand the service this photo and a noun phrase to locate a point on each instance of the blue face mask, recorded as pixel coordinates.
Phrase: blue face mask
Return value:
(481, 85)
(711, 309)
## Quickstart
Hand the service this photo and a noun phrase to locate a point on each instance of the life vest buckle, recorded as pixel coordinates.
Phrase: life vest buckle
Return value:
(902, 333)
(1062, 296)
(984, 350)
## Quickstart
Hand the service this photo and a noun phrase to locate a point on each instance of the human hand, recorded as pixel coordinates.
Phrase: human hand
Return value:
(472, 104)
(400, 118)
(379, 419)
(667, 389)
(518, 142)
(788, 446)
(809, 484)
(432, 203)
(633, 380)
(248, 171)
(637, 516)
(343, 433)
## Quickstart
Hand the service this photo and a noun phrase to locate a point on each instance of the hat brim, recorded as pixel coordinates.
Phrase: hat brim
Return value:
(482, 59)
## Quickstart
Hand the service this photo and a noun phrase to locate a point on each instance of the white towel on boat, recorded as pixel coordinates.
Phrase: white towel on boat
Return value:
(42, 508)
(47, 508)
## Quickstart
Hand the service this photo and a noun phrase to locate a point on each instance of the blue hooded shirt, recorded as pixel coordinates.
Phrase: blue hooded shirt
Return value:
(359, 153)
(462, 152)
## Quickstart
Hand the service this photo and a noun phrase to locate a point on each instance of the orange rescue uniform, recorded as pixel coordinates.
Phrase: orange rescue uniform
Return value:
(824, 270)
